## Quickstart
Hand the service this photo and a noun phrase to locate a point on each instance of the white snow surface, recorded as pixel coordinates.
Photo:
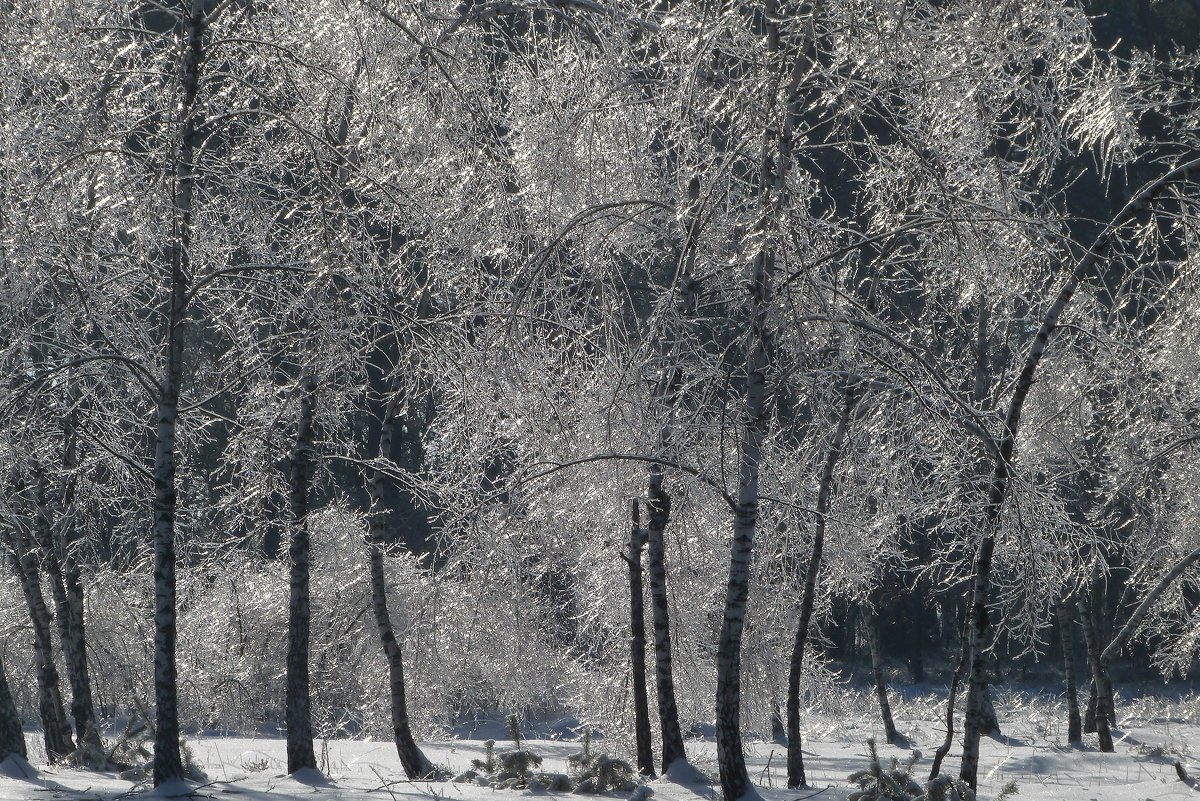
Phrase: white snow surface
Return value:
(1031, 754)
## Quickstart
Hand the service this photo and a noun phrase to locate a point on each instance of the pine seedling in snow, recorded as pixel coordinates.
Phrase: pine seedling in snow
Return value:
(509, 770)
(487, 765)
(897, 783)
(600, 773)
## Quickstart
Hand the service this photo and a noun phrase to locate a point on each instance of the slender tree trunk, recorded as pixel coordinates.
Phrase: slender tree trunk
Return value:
(795, 755)
(298, 710)
(960, 671)
(773, 195)
(1089, 715)
(1065, 623)
(637, 647)
(1005, 451)
(871, 629)
(168, 764)
(658, 507)
(67, 590)
(416, 765)
(731, 759)
(1104, 700)
(55, 728)
(1099, 679)
(12, 738)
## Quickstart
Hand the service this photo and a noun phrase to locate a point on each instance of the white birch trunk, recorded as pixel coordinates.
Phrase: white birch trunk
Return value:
(167, 762)
(637, 646)
(55, 728)
(298, 705)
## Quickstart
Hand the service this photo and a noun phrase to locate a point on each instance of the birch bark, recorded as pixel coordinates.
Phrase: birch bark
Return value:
(55, 729)
(637, 646)
(67, 591)
(416, 765)
(168, 764)
(298, 704)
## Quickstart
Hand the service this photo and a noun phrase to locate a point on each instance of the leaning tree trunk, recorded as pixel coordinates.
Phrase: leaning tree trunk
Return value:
(1065, 623)
(871, 629)
(795, 755)
(12, 738)
(55, 728)
(1105, 699)
(951, 698)
(637, 647)
(167, 762)
(1005, 452)
(416, 765)
(298, 709)
(67, 590)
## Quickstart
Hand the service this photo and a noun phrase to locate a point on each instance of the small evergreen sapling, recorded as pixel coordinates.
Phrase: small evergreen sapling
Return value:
(897, 783)
(516, 766)
(487, 765)
(600, 773)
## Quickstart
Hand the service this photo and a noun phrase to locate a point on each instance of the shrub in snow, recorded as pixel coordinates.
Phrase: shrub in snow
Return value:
(516, 766)
(897, 783)
(641, 793)
(600, 773)
(512, 770)
(487, 765)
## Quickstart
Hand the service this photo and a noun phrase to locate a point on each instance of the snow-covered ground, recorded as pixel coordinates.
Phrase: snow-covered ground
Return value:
(1032, 753)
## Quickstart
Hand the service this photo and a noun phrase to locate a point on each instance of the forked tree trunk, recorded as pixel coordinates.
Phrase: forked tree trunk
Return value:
(871, 629)
(167, 762)
(637, 646)
(55, 728)
(756, 413)
(1099, 677)
(1105, 700)
(795, 755)
(658, 508)
(12, 738)
(1066, 621)
(1089, 715)
(416, 765)
(298, 707)
(67, 589)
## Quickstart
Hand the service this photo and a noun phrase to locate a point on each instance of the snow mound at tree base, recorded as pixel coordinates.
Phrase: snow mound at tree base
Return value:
(687, 774)
(310, 776)
(175, 788)
(14, 766)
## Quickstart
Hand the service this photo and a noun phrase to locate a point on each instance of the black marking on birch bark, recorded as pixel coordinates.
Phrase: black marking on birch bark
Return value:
(298, 704)
(637, 646)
